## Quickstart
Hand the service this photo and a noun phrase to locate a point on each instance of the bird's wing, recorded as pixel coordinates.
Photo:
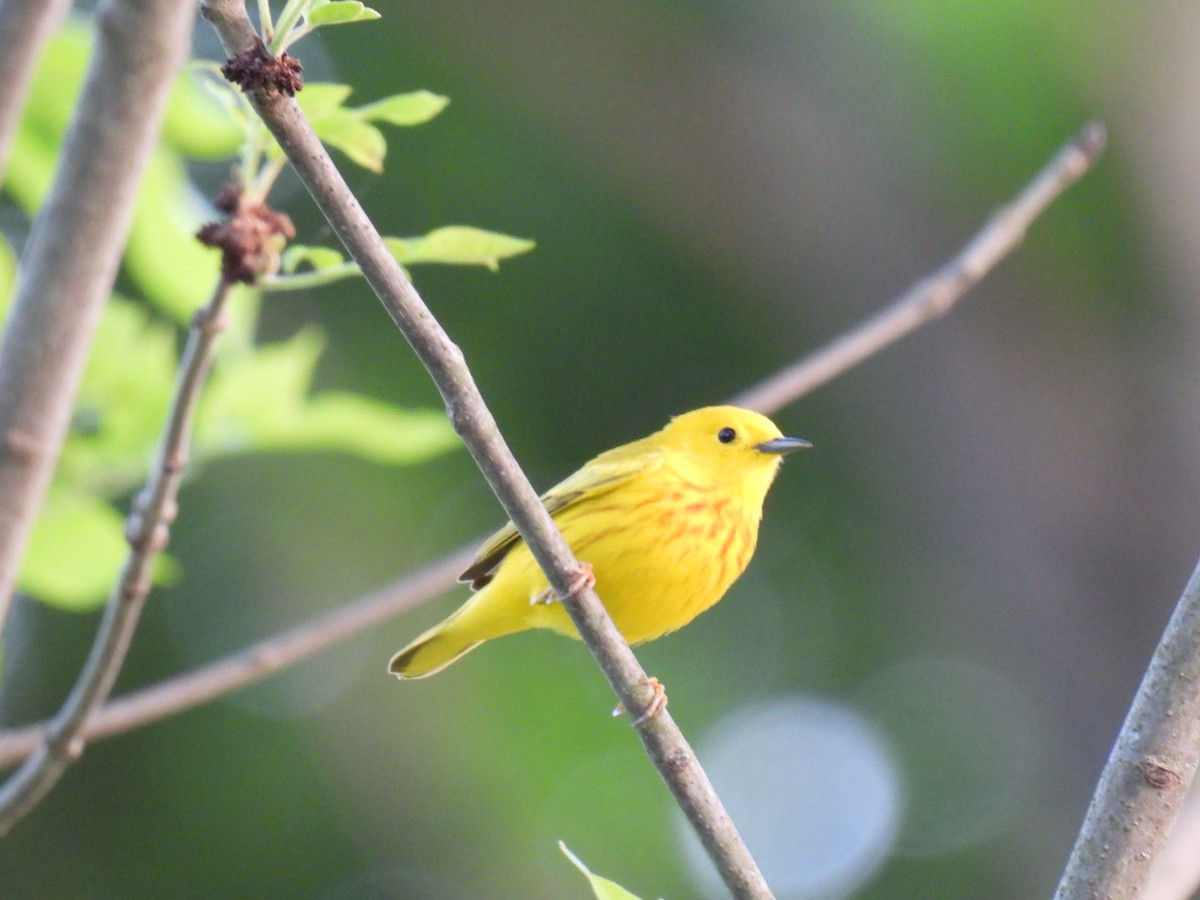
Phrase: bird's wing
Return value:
(597, 478)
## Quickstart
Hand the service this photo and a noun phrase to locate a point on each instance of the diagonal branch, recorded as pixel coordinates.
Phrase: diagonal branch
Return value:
(473, 422)
(71, 259)
(146, 530)
(261, 659)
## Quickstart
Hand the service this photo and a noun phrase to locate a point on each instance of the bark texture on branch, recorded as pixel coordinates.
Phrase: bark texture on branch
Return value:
(1149, 770)
(71, 259)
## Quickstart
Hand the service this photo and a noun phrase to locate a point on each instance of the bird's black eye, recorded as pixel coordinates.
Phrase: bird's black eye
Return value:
(726, 435)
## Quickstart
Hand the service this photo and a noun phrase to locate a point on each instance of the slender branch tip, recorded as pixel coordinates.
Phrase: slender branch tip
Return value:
(1092, 140)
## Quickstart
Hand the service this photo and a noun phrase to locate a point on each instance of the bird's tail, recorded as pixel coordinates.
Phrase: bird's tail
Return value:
(444, 643)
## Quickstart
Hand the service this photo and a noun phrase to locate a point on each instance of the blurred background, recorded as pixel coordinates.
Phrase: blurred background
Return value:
(911, 692)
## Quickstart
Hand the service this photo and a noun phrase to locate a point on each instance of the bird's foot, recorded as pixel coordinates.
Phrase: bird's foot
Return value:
(656, 705)
(585, 579)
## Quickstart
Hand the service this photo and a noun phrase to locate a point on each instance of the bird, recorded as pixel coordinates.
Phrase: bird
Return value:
(663, 526)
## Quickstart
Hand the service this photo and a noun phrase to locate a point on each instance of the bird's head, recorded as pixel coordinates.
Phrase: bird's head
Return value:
(730, 444)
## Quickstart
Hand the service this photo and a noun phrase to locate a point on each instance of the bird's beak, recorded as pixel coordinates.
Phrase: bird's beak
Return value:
(782, 445)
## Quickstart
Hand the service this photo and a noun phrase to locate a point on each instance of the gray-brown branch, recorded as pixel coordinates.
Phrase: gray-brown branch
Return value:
(146, 530)
(473, 422)
(69, 263)
(1149, 770)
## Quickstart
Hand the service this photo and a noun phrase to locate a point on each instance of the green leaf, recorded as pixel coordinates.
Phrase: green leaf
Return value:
(317, 258)
(197, 124)
(75, 551)
(321, 98)
(459, 245)
(367, 428)
(163, 258)
(122, 401)
(207, 76)
(192, 123)
(414, 108)
(603, 888)
(258, 403)
(340, 12)
(30, 166)
(362, 142)
(58, 78)
(255, 395)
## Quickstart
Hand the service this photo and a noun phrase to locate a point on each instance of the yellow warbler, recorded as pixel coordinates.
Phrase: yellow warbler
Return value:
(666, 524)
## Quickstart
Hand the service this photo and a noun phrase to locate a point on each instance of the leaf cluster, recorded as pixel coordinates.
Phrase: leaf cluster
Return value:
(260, 397)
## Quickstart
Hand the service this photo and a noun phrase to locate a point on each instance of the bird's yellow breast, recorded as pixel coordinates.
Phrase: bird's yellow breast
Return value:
(663, 550)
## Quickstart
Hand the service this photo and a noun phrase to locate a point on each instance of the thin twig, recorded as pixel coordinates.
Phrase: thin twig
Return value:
(935, 295)
(228, 674)
(71, 258)
(265, 657)
(1148, 773)
(471, 419)
(146, 531)
(24, 27)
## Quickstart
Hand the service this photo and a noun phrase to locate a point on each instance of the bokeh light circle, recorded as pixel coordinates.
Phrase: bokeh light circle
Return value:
(814, 790)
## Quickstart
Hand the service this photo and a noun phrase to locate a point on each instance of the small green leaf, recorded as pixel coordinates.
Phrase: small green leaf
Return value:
(255, 395)
(317, 258)
(459, 245)
(55, 86)
(257, 402)
(163, 258)
(76, 552)
(340, 12)
(122, 401)
(414, 108)
(197, 124)
(307, 280)
(603, 888)
(30, 166)
(320, 98)
(362, 142)
(366, 428)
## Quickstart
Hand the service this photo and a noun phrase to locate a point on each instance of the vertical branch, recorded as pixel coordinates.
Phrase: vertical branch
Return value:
(1149, 770)
(24, 27)
(146, 531)
(71, 259)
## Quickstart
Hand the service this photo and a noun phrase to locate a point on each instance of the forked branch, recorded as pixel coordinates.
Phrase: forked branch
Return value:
(63, 739)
